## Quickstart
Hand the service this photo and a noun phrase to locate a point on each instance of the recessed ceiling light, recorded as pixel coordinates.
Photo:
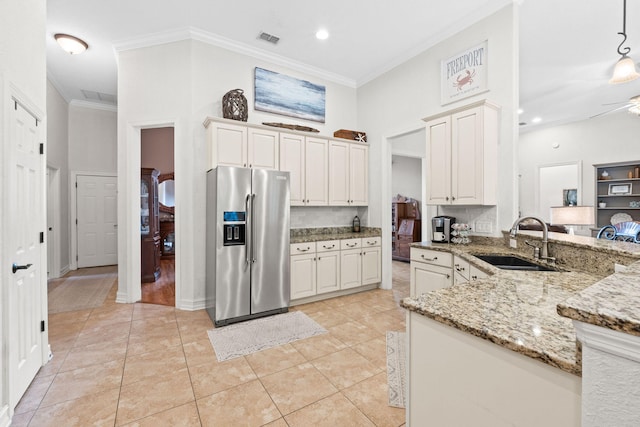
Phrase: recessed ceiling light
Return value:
(71, 44)
(322, 34)
(520, 111)
(536, 120)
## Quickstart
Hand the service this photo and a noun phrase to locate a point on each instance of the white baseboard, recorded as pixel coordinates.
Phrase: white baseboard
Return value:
(64, 270)
(192, 305)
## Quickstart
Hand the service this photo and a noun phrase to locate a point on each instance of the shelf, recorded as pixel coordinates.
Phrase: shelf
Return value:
(602, 181)
(609, 208)
(617, 195)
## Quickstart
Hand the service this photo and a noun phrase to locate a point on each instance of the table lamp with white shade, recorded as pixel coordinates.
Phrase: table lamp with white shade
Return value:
(572, 215)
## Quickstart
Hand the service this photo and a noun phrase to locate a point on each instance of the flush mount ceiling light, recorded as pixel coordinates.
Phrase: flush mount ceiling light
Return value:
(71, 44)
(625, 69)
(322, 34)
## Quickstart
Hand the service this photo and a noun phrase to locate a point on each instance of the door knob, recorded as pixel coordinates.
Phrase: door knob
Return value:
(15, 267)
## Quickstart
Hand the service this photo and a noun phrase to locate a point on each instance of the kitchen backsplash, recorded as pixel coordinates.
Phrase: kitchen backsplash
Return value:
(482, 219)
(326, 216)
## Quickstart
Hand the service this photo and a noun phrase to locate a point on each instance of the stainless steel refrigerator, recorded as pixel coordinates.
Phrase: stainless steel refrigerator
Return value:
(247, 251)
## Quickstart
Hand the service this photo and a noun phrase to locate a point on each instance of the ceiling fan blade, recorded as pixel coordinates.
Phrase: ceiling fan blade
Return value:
(614, 103)
(611, 111)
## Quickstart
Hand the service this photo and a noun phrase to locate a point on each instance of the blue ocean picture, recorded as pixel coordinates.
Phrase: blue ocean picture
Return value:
(288, 96)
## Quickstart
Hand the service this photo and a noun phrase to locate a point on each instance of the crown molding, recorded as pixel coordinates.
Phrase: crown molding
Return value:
(94, 105)
(191, 33)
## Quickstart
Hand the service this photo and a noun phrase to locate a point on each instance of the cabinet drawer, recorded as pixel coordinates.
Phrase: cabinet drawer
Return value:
(350, 244)
(327, 246)
(303, 248)
(371, 241)
(443, 259)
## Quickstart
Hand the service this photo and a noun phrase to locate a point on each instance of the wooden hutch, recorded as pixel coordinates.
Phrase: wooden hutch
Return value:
(406, 228)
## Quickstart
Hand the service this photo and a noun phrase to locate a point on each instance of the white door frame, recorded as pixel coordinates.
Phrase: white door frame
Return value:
(385, 202)
(576, 163)
(73, 212)
(53, 204)
(129, 163)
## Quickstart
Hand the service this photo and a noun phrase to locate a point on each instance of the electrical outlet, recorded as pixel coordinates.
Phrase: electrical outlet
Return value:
(513, 243)
(483, 227)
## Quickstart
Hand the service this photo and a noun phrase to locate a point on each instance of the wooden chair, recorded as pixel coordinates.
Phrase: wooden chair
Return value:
(624, 231)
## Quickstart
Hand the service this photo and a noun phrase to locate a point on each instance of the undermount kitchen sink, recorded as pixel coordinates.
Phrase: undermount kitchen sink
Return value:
(510, 262)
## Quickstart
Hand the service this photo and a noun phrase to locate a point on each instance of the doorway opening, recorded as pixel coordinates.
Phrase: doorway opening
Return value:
(410, 146)
(158, 235)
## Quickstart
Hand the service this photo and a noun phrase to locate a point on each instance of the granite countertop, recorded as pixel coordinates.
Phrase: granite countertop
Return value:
(515, 309)
(613, 302)
(303, 235)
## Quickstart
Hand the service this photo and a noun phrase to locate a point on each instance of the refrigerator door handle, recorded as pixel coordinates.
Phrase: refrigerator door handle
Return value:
(253, 229)
(247, 257)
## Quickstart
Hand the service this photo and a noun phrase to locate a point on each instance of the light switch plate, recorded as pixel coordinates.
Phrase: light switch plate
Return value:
(483, 227)
(513, 243)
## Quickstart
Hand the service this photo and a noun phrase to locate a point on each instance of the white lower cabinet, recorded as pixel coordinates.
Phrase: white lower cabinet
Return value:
(303, 270)
(350, 268)
(327, 266)
(430, 270)
(371, 261)
(333, 265)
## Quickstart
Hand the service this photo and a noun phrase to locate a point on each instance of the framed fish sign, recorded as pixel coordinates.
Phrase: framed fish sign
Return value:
(288, 96)
(464, 74)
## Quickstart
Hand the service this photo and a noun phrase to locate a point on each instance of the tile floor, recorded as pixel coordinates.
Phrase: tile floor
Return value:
(151, 365)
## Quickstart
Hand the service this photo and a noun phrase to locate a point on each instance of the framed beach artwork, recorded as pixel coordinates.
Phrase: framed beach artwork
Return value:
(288, 96)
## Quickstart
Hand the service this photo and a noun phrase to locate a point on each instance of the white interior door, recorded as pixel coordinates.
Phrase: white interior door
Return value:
(50, 220)
(96, 212)
(25, 216)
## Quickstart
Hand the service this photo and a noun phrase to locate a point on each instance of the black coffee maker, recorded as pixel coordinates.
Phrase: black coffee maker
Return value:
(441, 228)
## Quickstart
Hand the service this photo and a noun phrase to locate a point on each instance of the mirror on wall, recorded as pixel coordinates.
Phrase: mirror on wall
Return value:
(166, 193)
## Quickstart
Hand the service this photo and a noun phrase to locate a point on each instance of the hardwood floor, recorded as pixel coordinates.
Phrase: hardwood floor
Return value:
(163, 290)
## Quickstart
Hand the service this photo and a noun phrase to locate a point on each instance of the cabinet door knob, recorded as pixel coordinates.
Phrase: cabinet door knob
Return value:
(453, 198)
(447, 198)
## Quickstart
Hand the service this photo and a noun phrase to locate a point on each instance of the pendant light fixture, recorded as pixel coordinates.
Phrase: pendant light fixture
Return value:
(625, 69)
(71, 44)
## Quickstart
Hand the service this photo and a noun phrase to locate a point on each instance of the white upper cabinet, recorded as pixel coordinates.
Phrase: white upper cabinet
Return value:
(316, 171)
(462, 156)
(292, 159)
(262, 150)
(228, 145)
(306, 160)
(323, 171)
(338, 173)
(242, 146)
(348, 174)
(359, 174)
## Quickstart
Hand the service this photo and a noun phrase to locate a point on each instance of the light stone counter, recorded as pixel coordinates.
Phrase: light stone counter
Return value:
(519, 309)
(304, 235)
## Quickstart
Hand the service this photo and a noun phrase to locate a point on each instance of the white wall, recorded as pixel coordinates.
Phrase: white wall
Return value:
(57, 148)
(180, 84)
(609, 138)
(397, 101)
(23, 71)
(406, 177)
(92, 139)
